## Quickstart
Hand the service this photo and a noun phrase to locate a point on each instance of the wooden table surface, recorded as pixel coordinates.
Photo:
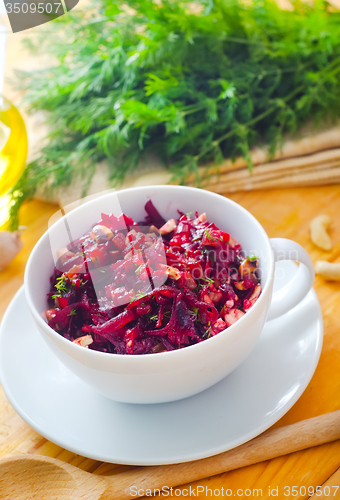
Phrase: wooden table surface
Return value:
(283, 213)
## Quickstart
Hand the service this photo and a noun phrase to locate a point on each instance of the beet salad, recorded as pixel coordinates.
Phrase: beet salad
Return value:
(153, 286)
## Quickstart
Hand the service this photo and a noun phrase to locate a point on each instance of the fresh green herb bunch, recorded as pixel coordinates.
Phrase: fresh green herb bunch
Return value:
(192, 82)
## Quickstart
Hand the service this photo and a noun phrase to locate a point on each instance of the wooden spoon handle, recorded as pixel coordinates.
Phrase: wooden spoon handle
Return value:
(271, 444)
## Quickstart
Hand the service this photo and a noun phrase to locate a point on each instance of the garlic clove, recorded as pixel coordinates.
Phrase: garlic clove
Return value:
(10, 246)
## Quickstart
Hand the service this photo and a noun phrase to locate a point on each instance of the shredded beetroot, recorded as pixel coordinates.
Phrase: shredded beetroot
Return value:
(116, 323)
(153, 217)
(138, 291)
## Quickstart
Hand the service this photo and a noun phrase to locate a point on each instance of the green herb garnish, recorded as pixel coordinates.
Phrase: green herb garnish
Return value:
(208, 332)
(252, 258)
(197, 238)
(139, 268)
(72, 313)
(193, 82)
(139, 295)
(61, 283)
(208, 235)
(208, 281)
(61, 286)
(167, 315)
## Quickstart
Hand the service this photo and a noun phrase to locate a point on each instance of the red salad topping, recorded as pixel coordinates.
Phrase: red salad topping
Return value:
(129, 288)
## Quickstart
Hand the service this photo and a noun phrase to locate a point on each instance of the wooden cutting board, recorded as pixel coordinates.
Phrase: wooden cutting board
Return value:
(283, 213)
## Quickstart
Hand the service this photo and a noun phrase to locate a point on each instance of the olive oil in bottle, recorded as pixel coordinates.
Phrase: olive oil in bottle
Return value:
(13, 154)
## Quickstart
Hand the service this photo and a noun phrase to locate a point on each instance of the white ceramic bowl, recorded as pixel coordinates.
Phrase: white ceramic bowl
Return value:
(168, 376)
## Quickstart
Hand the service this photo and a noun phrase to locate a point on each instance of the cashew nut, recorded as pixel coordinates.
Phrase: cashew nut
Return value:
(328, 270)
(84, 341)
(101, 234)
(168, 227)
(318, 232)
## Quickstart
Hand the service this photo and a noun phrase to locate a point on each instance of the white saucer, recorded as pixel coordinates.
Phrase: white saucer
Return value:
(64, 410)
